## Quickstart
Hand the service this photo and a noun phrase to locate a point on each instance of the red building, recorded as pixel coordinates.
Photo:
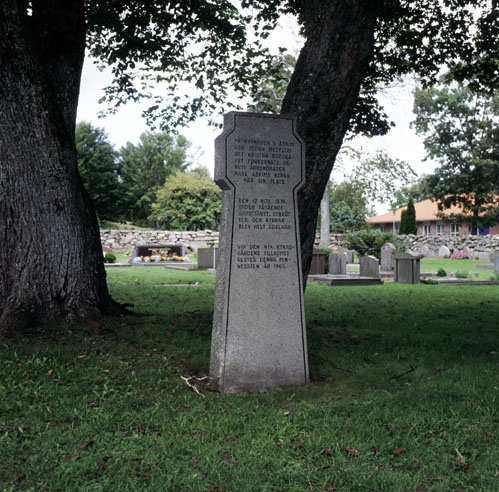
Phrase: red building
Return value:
(427, 221)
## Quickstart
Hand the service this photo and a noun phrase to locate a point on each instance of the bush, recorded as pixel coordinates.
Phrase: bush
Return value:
(369, 242)
(109, 258)
(462, 274)
(441, 273)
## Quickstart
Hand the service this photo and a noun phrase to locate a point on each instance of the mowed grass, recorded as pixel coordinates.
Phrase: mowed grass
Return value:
(404, 396)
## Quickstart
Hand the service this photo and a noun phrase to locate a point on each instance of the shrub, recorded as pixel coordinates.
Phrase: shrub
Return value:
(460, 255)
(462, 274)
(429, 281)
(369, 242)
(441, 273)
(495, 276)
(109, 258)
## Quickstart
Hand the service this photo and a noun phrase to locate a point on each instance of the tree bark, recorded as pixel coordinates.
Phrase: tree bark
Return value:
(322, 94)
(51, 266)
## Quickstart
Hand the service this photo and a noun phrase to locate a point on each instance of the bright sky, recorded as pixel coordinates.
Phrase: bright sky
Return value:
(127, 125)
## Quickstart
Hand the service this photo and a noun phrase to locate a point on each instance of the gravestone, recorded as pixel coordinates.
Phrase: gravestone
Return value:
(496, 262)
(350, 255)
(337, 264)
(207, 258)
(387, 257)
(259, 338)
(407, 269)
(444, 251)
(155, 249)
(424, 250)
(369, 267)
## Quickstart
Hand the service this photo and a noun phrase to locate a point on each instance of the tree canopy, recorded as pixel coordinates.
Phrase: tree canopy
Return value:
(187, 202)
(97, 165)
(461, 131)
(143, 169)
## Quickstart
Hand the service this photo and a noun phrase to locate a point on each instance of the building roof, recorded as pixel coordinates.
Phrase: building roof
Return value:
(425, 210)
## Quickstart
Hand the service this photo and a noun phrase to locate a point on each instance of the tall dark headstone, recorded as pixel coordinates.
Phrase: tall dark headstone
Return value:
(259, 338)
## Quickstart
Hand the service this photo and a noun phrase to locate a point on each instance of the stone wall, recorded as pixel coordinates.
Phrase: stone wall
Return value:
(120, 241)
(478, 246)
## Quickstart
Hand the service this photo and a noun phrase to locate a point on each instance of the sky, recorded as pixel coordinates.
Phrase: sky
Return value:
(127, 124)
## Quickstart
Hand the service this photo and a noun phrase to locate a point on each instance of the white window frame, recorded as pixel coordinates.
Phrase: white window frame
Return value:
(454, 229)
(426, 228)
(440, 229)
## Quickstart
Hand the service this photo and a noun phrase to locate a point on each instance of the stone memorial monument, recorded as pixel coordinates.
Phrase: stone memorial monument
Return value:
(496, 262)
(337, 264)
(387, 257)
(369, 267)
(444, 251)
(407, 269)
(259, 338)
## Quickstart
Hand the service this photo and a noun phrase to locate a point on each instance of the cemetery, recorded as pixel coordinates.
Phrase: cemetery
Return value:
(371, 380)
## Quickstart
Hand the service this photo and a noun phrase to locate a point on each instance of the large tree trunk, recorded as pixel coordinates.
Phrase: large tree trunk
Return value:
(51, 266)
(322, 94)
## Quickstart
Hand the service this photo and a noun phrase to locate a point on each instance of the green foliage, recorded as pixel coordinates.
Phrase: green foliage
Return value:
(417, 191)
(410, 219)
(495, 276)
(348, 208)
(369, 242)
(144, 168)
(429, 281)
(441, 272)
(187, 201)
(403, 221)
(268, 96)
(462, 274)
(377, 175)
(109, 258)
(460, 130)
(98, 169)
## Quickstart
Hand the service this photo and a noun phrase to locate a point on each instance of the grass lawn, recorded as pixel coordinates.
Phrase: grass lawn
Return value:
(404, 396)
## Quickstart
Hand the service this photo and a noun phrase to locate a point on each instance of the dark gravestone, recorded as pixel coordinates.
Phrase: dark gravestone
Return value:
(407, 269)
(259, 325)
(159, 249)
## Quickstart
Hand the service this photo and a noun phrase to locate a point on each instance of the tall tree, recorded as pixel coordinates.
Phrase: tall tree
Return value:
(364, 43)
(97, 165)
(143, 169)
(51, 265)
(461, 130)
(348, 205)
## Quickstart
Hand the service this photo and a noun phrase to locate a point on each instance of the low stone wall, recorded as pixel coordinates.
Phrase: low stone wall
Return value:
(479, 247)
(120, 241)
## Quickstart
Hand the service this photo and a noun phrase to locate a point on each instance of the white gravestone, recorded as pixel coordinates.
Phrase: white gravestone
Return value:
(496, 262)
(259, 338)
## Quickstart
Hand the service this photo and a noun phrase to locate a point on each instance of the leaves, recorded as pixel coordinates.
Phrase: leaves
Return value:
(352, 451)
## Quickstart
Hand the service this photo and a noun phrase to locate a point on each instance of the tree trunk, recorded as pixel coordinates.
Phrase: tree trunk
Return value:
(51, 265)
(322, 94)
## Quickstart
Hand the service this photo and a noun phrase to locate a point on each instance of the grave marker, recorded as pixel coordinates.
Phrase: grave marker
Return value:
(337, 264)
(259, 338)
(369, 267)
(387, 257)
